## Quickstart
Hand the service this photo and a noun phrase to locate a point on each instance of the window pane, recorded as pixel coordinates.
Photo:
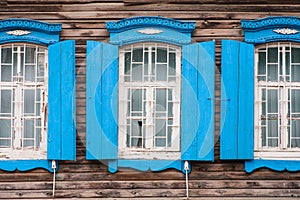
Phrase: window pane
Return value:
(172, 63)
(296, 128)
(295, 73)
(272, 101)
(262, 66)
(295, 101)
(273, 55)
(6, 55)
(160, 142)
(295, 55)
(161, 73)
(161, 55)
(6, 100)
(137, 55)
(272, 72)
(160, 127)
(273, 133)
(29, 101)
(127, 63)
(5, 128)
(161, 100)
(30, 55)
(6, 73)
(137, 72)
(28, 132)
(137, 100)
(30, 73)
(41, 66)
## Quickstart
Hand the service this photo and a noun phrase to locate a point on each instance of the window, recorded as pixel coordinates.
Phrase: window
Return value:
(260, 95)
(37, 82)
(23, 102)
(277, 100)
(149, 96)
(149, 99)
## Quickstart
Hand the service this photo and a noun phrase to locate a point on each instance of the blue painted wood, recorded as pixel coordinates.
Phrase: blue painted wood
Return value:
(25, 165)
(237, 111)
(32, 31)
(102, 83)
(197, 129)
(277, 165)
(150, 29)
(271, 29)
(61, 101)
(146, 165)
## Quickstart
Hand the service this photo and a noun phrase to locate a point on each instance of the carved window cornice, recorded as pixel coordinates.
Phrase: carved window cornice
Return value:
(27, 30)
(271, 29)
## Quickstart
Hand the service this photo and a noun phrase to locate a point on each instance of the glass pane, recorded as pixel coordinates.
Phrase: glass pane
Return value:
(160, 127)
(29, 101)
(162, 55)
(161, 100)
(273, 132)
(263, 136)
(295, 73)
(172, 64)
(38, 133)
(295, 55)
(5, 101)
(5, 128)
(272, 101)
(287, 65)
(273, 55)
(136, 127)
(160, 142)
(272, 72)
(41, 66)
(30, 73)
(127, 63)
(170, 130)
(6, 73)
(137, 55)
(161, 73)
(28, 132)
(262, 66)
(30, 55)
(6, 55)
(137, 100)
(296, 128)
(295, 101)
(137, 72)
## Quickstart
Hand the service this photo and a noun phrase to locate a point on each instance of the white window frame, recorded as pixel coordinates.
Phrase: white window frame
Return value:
(149, 151)
(17, 86)
(283, 87)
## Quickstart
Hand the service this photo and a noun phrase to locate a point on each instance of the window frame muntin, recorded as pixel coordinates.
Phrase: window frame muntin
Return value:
(154, 153)
(283, 151)
(21, 152)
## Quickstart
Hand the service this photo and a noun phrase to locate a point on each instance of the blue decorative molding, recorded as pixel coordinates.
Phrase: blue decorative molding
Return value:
(157, 29)
(27, 30)
(25, 165)
(277, 165)
(271, 29)
(151, 21)
(147, 165)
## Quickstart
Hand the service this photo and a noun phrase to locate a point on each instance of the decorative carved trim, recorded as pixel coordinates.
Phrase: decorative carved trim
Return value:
(18, 32)
(131, 23)
(28, 24)
(285, 31)
(270, 21)
(150, 31)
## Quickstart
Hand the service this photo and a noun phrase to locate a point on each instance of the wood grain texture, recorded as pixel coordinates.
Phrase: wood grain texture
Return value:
(81, 179)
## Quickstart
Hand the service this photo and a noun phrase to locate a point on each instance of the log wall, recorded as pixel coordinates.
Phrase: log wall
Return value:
(85, 20)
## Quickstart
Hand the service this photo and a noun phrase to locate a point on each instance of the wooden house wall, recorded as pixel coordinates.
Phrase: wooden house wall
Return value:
(85, 20)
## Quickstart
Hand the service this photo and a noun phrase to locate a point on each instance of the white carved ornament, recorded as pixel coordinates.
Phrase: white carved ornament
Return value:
(286, 31)
(18, 32)
(150, 31)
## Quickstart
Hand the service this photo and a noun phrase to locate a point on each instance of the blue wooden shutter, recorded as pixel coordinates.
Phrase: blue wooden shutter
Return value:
(197, 105)
(61, 101)
(237, 105)
(102, 101)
